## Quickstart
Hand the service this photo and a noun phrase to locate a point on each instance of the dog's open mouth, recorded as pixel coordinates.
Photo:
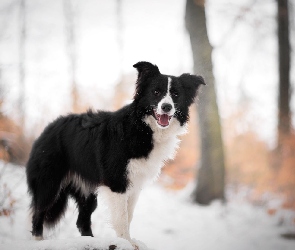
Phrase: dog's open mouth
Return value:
(163, 119)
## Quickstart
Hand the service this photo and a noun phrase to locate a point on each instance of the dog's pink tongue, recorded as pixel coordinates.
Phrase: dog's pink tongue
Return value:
(164, 120)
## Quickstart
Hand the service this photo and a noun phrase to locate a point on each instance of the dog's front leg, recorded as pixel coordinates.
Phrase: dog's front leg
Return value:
(132, 200)
(118, 206)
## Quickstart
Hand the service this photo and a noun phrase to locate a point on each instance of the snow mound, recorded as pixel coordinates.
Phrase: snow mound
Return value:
(162, 220)
(79, 243)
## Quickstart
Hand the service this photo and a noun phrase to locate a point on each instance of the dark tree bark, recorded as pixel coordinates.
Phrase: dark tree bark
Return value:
(211, 174)
(284, 116)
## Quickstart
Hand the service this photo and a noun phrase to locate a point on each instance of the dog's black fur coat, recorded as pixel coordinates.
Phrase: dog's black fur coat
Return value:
(96, 147)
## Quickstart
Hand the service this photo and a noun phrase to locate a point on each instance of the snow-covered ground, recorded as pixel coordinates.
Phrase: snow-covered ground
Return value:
(162, 220)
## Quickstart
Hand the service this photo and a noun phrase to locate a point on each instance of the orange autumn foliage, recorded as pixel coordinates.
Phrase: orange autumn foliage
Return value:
(13, 146)
(284, 174)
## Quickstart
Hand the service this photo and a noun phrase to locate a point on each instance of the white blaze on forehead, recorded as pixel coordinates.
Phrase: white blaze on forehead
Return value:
(166, 99)
(169, 86)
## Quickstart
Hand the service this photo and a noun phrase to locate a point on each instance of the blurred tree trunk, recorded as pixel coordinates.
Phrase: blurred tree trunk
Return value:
(70, 29)
(22, 60)
(284, 116)
(211, 174)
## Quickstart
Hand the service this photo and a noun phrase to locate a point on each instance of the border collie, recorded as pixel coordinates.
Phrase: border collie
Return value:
(117, 152)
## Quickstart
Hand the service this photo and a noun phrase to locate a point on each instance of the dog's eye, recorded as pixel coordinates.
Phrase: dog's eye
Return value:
(174, 94)
(157, 93)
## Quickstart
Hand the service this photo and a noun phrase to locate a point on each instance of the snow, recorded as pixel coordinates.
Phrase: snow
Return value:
(88, 243)
(162, 219)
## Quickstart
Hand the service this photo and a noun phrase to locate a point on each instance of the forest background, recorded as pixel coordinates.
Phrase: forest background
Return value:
(65, 56)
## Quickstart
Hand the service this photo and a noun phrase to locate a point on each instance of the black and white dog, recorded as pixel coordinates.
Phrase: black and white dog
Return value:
(115, 151)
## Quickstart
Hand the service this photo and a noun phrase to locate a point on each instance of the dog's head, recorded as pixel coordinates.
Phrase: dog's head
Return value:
(165, 97)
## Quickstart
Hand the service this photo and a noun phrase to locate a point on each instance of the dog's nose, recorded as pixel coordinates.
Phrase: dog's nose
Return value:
(166, 107)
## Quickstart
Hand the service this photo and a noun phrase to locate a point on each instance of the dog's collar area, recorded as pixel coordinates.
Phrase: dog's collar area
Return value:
(162, 119)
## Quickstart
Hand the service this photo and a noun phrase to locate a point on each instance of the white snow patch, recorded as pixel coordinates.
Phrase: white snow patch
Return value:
(162, 220)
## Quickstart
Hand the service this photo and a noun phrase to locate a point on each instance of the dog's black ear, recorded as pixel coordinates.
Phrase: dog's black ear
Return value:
(191, 84)
(146, 69)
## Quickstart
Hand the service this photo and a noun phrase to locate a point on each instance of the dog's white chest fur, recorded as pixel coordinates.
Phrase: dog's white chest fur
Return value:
(165, 143)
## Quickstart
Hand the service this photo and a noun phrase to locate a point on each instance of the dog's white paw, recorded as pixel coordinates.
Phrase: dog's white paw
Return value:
(135, 247)
(137, 244)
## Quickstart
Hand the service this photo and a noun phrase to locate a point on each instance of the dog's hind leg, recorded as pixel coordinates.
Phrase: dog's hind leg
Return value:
(42, 200)
(48, 201)
(86, 206)
(57, 209)
(37, 225)
(48, 213)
